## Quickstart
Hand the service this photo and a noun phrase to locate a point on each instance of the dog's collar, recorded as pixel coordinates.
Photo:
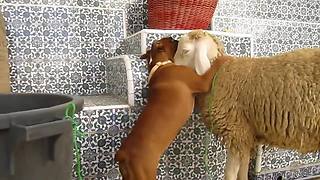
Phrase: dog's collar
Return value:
(155, 68)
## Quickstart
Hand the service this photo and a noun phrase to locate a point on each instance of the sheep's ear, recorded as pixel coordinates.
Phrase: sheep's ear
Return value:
(146, 55)
(202, 64)
(201, 61)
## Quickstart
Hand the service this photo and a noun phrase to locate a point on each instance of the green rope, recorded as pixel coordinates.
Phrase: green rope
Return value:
(206, 156)
(211, 97)
(76, 133)
(207, 136)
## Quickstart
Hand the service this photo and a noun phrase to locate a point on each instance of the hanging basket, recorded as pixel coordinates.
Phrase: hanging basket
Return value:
(180, 14)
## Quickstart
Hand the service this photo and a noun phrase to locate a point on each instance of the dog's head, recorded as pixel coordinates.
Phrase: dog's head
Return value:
(161, 50)
(198, 49)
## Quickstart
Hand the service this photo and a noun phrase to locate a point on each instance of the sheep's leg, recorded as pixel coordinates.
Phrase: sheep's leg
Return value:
(232, 165)
(244, 166)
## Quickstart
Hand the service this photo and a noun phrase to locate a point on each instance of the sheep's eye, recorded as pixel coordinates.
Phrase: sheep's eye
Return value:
(185, 51)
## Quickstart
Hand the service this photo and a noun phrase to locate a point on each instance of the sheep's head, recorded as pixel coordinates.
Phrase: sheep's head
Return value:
(198, 49)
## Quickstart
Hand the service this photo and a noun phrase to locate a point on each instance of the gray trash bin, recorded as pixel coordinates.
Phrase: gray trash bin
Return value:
(35, 139)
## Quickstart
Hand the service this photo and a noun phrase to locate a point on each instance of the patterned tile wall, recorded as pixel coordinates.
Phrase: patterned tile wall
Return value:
(104, 130)
(41, 32)
(136, 10)
(58, 76)
(311, 171)
(136, 16)
(132, 44)
(140, 76)
(48, 45)
(116, 77)
(272, 36)
(289, 10)
(274, 158)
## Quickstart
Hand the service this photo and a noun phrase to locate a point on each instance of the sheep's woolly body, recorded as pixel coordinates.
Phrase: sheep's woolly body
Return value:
(273, 101)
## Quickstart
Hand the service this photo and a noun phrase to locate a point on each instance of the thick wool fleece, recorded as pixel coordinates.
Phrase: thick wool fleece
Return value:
(273, 100)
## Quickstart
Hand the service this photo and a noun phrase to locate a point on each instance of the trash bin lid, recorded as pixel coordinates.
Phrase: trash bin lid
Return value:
(32, 107)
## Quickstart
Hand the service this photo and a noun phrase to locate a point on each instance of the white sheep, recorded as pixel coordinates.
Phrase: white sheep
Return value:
(268, 100)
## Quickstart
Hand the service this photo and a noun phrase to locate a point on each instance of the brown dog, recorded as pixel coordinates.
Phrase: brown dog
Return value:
(170, 104)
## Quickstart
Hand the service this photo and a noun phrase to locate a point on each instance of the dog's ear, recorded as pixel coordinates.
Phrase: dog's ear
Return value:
(146, 55)
(159, 45)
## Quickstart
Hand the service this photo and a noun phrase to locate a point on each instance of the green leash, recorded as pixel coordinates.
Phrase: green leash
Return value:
(206, 156)
(76, 133)
(207, 136)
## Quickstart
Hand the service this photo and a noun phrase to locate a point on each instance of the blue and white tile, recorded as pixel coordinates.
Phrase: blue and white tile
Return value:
(88, 3)
(132, 44)
(85, 168)
(104, 166)
(235, 8)
(101, 120)
(288, 10)
(93, 77)
(119, 4)
(274, 158)
(232, 25)
(61, 42)
(309, 171)
(136, 17)
(116, 73)
(47, 31)
(140, 75)
(113, 174)
(42, 2)
(272, 36)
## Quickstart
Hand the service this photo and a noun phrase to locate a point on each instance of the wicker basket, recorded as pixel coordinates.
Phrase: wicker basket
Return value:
(180, 14)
